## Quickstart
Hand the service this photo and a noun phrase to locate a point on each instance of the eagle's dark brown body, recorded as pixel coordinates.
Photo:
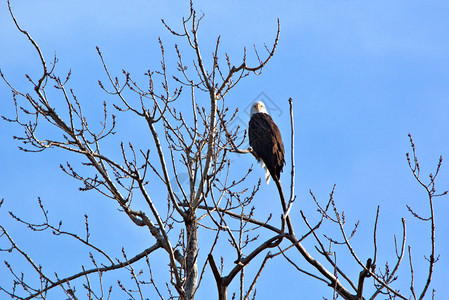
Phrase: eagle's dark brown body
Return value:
(265, 139)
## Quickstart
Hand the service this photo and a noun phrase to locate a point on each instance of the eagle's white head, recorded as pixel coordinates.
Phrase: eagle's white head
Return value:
(258, 107)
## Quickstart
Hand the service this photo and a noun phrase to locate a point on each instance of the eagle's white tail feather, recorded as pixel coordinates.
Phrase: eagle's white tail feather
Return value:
(267, 172)
(267, 175)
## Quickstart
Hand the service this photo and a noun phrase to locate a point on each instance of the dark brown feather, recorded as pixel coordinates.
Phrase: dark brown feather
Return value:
(265, 139)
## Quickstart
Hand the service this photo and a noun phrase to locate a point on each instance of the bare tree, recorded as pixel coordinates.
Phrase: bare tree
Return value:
(201, 144)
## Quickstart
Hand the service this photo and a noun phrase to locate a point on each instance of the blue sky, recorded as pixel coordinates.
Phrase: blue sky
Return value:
(362, 75)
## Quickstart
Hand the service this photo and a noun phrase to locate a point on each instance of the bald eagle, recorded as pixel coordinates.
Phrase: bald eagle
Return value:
(266, 141)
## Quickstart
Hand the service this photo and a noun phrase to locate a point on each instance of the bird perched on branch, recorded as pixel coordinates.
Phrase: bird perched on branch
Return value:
(266, 141)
